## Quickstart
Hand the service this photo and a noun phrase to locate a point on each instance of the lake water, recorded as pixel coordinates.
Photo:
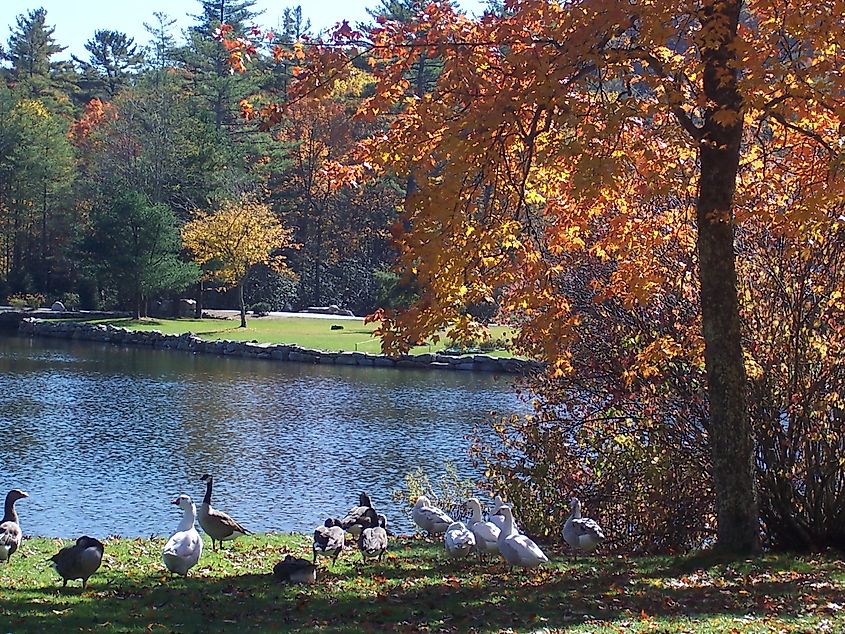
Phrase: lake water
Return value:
(103, 437)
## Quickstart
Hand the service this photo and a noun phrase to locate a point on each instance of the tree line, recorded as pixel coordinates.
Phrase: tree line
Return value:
(104, 159)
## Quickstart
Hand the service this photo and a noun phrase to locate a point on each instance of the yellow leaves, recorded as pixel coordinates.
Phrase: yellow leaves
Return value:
(234, 237)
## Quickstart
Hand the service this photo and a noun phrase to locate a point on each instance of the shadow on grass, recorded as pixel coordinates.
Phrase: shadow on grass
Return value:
(410, 593)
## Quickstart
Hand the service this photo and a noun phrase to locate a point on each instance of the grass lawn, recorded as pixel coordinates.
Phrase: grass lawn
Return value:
(303, 331)
(417, 589)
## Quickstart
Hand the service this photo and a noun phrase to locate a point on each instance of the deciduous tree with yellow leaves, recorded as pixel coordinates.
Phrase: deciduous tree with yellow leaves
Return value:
(233, 238)
(614, 129)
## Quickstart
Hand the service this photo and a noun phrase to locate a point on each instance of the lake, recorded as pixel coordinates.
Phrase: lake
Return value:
(104, 437)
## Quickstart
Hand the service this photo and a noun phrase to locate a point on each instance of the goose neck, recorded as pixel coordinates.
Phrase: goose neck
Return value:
(188, 518)
(9, 512)
(208, 485)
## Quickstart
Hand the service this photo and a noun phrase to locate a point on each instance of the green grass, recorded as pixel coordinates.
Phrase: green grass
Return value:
(417, 589)
(303, 331)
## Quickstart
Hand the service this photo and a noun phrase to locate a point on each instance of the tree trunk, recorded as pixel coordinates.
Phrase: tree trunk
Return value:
(731, 438)
(241, 302)
(137, 304)
(198, 309)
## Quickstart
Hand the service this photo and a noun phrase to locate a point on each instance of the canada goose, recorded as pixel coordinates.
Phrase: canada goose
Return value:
(581, 533)
(79, 561)
(218, 525)
(10, 530)
(516, 549)
(295, 570)
(459, 540)
(328, 540)
(486, 533)
(183, 549)
(430, 518)
(359, 517)
(373, 541)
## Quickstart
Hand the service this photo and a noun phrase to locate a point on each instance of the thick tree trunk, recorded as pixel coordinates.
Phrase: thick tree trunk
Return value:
(731, 438)
(241, 303)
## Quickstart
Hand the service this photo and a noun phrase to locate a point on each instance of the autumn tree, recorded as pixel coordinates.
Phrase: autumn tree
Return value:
(551, 116)
(233, 238)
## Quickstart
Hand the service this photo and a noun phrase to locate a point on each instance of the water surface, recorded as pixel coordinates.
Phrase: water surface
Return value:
(103, 437)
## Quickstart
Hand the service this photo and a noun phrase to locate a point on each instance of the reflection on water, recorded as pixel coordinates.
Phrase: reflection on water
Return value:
(102, 438)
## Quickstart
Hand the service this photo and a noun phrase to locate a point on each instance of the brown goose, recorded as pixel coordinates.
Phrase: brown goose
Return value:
(10, 530)
(79, 561)
(328, 540)
(217, 524)
(359, 517)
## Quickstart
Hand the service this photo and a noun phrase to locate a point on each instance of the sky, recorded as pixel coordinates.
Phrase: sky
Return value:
(76, 20)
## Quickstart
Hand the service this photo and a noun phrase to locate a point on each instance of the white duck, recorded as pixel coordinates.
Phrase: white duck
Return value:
(459, 540)
(486, 533)
(581, 533)
(516, 549)
(183, 549)
(430, 518)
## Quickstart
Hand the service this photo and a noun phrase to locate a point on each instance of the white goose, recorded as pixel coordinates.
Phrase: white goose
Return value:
(183, 549)
(581, 533)
(486, 533)
(430, 518)
(516, 549)
(459, 540)
(499, 520)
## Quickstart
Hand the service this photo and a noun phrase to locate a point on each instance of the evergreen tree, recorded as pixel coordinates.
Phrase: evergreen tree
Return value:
(113, 57)
(133, 247)
(31, 47)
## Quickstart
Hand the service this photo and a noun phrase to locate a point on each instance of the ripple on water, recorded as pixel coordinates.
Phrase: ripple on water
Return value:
(105, 437)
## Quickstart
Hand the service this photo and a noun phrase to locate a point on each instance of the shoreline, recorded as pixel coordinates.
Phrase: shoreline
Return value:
(287, 353)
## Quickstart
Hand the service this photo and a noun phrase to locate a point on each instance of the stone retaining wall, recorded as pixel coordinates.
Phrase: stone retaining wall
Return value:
(189, 342)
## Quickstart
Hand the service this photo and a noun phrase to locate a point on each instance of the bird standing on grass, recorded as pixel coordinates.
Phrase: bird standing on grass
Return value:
(79, 561)
(217, 524)
(10, 530)
(581, 533)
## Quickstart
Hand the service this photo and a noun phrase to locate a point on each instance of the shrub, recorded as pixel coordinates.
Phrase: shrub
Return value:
(260, 308)
(70, 300)
(449, 492)
(626, 429)
(26, 300)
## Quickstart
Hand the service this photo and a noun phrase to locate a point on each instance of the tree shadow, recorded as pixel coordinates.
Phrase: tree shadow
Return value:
(415, 592)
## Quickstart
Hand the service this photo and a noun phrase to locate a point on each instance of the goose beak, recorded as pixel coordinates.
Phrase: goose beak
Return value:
(24, 494)
(175, 501)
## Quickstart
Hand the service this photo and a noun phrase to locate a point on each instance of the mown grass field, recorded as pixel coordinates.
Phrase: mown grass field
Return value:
(417, 589)
(303, 331)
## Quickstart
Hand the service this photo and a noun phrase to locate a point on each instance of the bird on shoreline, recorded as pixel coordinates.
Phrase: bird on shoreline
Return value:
(431, 519)
(516, 549)
(486, 533)
(184, 548)
(459, 540)
(295, 570)
(359, 517)
(329, 540)
(219, 526)
(10, 530)
(79, 561)
(373, 541)
(581, 533)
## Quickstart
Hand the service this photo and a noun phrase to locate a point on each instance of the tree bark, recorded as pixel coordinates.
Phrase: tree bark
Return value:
(731, 438)
(241, 302)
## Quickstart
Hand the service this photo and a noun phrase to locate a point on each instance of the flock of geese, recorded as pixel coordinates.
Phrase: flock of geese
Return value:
(363, 523)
